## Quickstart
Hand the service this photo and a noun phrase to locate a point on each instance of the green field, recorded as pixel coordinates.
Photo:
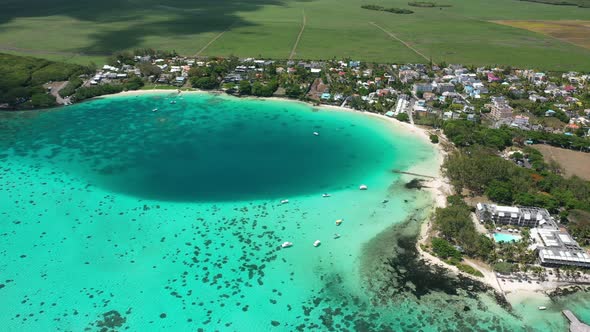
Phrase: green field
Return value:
(84, 31)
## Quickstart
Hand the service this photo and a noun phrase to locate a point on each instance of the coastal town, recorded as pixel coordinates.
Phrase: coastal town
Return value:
(524, 228)
(544, 107)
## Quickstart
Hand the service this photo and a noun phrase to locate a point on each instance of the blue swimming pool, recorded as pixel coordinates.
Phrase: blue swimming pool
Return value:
(505, 237)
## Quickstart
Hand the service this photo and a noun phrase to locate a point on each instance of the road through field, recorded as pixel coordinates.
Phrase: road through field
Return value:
(400, 40)
(298, 36)
(214, 39)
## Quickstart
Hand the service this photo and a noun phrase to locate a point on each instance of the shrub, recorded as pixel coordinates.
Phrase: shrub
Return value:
(403, 117)
(444, 249)
(434, 138)
(469, 269)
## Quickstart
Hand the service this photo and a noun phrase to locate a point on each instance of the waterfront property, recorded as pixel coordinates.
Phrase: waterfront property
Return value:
(554, 245)
(557, 247)
(510, 215)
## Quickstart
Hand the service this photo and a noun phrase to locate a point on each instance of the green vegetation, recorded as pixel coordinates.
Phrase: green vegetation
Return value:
(404, 117)
(22, 79)
(71, 87)
(426, 4)
(83, 32)
(133, 83)
(444, 249)
(477, 167)
(469, 269)
(434, 138)
(504, 267)
(578, 3)
(455, 225)
(391, 10)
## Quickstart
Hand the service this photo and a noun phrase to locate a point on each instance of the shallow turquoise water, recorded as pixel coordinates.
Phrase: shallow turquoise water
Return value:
(504, 237)
(173, 220)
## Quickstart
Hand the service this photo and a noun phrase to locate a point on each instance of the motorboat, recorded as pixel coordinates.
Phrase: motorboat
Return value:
(363, 187)
(316, 243)
(338, 222)
(385, 201)
(285, 201)
(286, 244)
(315, 133)
(542, 308)
(336, 235)
(326, 195)
(155, 110)
(173, 102)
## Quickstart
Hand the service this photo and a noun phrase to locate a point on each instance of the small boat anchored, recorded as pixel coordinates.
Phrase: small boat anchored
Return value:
(336, 236)
(326, 195)
(173, 102)
(363, 187)
(315, 133)
(286, 244)
(155, 110)
(338, 222)
(285, 201)
(542, 308)
(316, 243)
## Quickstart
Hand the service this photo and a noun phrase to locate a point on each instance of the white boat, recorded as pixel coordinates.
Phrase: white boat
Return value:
(315, 133)
(286, 244)
(173, 102)
(326, 195)
(285, 201)
(363, 187)
(316, 243)
(542, 308)
(155, 110)
(338, 222)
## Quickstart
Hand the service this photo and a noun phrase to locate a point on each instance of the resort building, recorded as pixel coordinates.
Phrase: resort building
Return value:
(556, 247)
(511, 215)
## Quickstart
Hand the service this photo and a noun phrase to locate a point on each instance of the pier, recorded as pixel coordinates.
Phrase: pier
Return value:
(575, 324)
(414, 174)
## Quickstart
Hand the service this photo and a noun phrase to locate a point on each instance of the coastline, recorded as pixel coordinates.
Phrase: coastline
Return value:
(438, 187)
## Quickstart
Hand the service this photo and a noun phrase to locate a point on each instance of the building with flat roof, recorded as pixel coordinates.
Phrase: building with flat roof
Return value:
(512, 215)
(556, 247)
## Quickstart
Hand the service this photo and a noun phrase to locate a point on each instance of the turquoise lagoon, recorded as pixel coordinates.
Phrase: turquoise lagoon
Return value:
(119, 217)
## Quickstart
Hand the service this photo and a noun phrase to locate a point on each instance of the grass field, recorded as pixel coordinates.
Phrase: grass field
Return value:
(571, 162)
(575, 32)
(84, 31)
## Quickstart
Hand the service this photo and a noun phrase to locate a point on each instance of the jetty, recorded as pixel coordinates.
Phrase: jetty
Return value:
(414, 174)
(575, 324)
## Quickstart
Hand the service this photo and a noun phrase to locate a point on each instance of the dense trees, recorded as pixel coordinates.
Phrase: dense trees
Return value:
(21, 79)
(454, 223)
(205, 82)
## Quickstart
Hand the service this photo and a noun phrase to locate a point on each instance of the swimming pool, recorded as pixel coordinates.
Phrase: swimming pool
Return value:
(505, 237)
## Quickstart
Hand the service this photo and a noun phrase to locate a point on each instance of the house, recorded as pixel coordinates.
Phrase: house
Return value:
(429, 96)
(179, 80)
(422, 87)
(492, 78)
(407, 76)
(521, 120)
(445, 87)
